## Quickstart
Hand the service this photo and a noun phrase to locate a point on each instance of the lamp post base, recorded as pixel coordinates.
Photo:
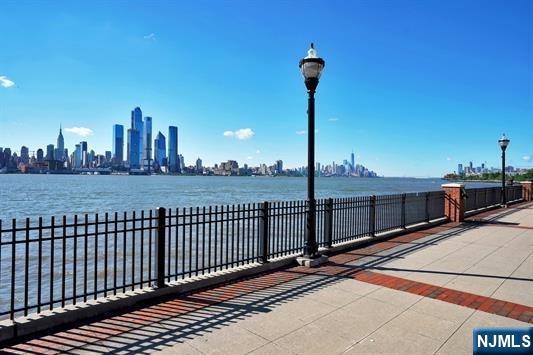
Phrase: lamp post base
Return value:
(312, 262)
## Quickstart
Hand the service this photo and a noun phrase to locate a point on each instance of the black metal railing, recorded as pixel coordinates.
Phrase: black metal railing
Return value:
(46, 264)
(490, 196)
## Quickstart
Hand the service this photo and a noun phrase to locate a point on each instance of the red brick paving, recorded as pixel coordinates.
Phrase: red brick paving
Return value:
(80, 336)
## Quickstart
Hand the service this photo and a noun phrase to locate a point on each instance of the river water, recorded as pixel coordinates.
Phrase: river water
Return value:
(46, 195)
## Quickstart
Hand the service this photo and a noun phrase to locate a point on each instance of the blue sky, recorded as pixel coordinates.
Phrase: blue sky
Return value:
(414, 87)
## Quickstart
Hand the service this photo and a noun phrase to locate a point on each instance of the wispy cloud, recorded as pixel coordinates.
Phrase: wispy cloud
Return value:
(448, 159)
(257, 151)
(150, 37)
(526, 158)
(333, 119)
(240, 134)
(80, 131)
(5, 82)
(302, 132)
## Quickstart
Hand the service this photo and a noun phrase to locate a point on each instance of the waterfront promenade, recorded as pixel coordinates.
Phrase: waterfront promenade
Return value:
(421, 292)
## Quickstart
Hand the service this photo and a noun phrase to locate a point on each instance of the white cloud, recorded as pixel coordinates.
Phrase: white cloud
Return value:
(302, 132)
(5, 82)
(80, 131)
(258, 152)
(150, 37)
(333, 119)
(526, 158)
(240, 134)
(448, 158)
(250, 157)
(244, 133)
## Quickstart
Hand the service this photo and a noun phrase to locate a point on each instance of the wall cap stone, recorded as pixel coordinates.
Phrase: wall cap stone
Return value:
(453, 184)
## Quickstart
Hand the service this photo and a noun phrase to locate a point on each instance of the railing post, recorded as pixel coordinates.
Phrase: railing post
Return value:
(328, 222)
(427, 207)
(263, 232)
(403, 210)
(372, 215)
(160, 248)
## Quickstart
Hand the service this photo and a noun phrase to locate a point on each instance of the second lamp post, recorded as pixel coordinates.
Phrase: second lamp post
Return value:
(504, 142)
(311, 67)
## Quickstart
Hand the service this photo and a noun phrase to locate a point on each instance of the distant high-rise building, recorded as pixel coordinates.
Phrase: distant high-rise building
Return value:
(137, 124)
(91, 158)
(40, 155)
(78, 156)
(160, 149)
(118, 144)
(199, 167)
(108, 156)
(24, 155)
(181, 162)
(60, 146)
(84, 155)
(460, 169)
(147, 142)
(173, 165)
(471, 166)
(133, 149)
(279, 166)
(50, 152)
(352, 160)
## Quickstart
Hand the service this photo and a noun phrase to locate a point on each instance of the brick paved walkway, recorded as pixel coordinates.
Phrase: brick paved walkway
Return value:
(422, 292)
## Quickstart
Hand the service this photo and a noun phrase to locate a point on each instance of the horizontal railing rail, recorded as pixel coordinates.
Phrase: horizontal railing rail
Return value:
(46, 264)
(478, 198)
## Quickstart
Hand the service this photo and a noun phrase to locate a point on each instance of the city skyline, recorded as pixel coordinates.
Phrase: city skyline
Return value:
(415, 101)
(125, 155)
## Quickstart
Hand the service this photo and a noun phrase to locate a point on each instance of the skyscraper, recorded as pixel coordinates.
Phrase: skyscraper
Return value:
(78, 156)
(133, 149)
(199, 167)
(25, 154)
(50, 152)
(147, 142)
(160, 147)
(118, 145)
(137, 124)
(279, 166)
(352, 161)
(173, 165)
(84, 158)
(40, 155)
(60, 146)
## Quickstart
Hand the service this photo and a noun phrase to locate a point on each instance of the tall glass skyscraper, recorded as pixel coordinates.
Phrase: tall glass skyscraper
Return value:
(147, 142)
(133, 149)
(77, 156)
(173, 165)
(118, 144)
(137, 124)
(160, 153)
(50, 152)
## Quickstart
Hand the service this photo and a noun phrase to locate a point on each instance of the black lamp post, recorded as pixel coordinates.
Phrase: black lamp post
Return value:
(311, 67)
(504, 142)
